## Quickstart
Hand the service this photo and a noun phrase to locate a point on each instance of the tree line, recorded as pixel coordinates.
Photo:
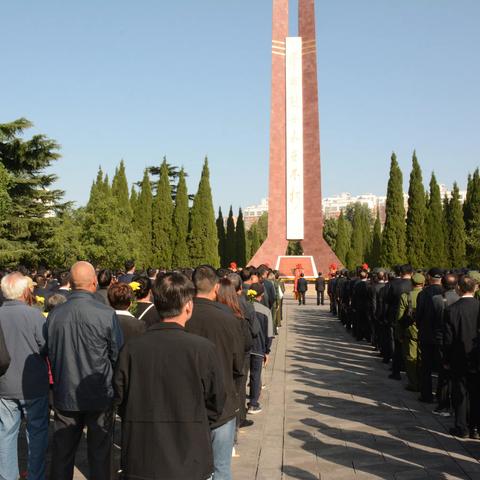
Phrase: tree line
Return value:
(432, 231)
(155, 222)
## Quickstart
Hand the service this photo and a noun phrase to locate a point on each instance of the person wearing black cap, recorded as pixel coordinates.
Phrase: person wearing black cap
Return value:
(426, 332)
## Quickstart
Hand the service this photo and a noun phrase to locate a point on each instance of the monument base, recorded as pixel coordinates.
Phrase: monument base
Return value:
(322, 253)
(269, 251)
(289, 265)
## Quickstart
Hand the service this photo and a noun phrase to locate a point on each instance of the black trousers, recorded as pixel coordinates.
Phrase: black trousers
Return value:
(67, 433)
(241, 384)
(256, 365)
(320, 297)
(301, 298)
(466, 401)
(427, 362)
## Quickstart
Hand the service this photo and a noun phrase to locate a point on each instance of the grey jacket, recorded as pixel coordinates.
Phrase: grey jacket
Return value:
(4, 355)
(24, 331)
(84, 339)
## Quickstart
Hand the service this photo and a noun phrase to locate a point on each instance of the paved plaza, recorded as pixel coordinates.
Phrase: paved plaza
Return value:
(330, 412)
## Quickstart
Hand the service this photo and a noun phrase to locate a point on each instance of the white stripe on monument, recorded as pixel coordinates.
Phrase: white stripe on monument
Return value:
(294, 125)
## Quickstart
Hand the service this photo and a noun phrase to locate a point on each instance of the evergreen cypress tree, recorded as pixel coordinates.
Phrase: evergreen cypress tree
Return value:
(133, 203)
(376, 250)
(435, 252)
(180, 256)
(471, 212)
(241, 241)
(355, 254)
(254, 240)
(456, 236)
(202, 238)
(144, 222)
(393, 237)
(101, 227)
(162, 220)
(342, 243)
(416, 217)
(221, 238)
(123, 211)
(230, 241)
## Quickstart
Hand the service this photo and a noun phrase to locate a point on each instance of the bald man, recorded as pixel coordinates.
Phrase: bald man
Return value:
(84, 339)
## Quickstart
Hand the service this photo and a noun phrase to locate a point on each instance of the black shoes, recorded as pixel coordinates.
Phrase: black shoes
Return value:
(426, 400)
(246, 423)
(395, 376)
(458, 433)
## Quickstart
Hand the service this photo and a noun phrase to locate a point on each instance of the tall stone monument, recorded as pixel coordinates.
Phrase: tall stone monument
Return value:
(295, 193)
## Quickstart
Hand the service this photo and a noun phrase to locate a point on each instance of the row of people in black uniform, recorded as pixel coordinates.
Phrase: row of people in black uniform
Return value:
(422, 324)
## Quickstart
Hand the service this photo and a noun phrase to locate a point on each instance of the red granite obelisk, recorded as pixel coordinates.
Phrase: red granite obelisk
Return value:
(314, 245)
(276, 243)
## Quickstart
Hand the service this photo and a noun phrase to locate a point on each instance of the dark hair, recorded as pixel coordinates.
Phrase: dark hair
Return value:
(129, 264)
(63, 278)
(104, 278)
(228, 296)
(450, 281)
(145, 286)
(236, 281)
(204, 278)
(120, 296)
(406, 269)
(381, 275)
(223, 272)
(53, 301)
(39, 280)
(466, 284)
(171, 292)
(152, 272)
(246, 274)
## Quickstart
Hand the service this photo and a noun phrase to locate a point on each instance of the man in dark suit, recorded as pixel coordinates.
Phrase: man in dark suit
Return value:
(212, 321)
(461, 358)
(320, 289)
(169, 386)
(302, 287)
(425, 318)
(127, 277)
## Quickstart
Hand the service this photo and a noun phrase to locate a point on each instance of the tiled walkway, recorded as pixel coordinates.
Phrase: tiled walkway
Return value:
(330, 412)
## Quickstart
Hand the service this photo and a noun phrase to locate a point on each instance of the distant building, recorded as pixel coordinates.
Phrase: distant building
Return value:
(332, 206)
(253, 213)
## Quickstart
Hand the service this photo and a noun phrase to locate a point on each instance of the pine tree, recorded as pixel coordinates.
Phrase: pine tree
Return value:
(221, 238)
(416, 217)
(202, 238)
(31, 218)
(376, 250)
(342, 243)
(230, 240)
(143, 223)
(435, 252)
(330, 229)
(162, 227)
(361, 236)
(133, 203)
(240, 241)
(393, 237)
(456, 237)
(180, 256)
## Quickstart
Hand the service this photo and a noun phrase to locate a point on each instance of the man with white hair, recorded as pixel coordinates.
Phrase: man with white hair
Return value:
(84, 339)
(24, 387)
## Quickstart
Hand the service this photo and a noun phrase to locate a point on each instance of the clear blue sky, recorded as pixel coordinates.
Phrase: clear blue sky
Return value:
(117, 79)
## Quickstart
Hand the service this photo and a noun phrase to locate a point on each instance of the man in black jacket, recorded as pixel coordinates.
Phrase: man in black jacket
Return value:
(320, 289)
(425, 318)
(396, 288)
(461, 358)
(169, 387)
(210, 320)
(302, 287)
(84, 339)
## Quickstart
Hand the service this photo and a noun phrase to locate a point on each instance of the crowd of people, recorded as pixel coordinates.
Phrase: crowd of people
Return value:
(422, 323)
(176, 356)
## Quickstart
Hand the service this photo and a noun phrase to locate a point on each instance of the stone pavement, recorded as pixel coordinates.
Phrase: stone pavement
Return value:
(330, 412)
